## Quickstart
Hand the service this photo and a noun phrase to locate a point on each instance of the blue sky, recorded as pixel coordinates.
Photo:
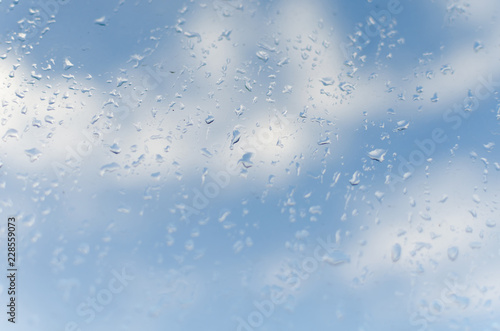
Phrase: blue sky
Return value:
(207, 149)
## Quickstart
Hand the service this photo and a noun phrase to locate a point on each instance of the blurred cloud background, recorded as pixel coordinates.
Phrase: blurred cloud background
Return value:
(205, 147)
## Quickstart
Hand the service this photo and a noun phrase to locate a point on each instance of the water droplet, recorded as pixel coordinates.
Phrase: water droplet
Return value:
(491, 223)
(11, 133)
(120, 81)
(287, 89)
(478, 45)
(36, 76)
(110, 167)
(402, 125)
(67, 64)
(189, 245)
(336, 258)
(240, 110)
(347, 87)
(355, 178)
(327, 81)
(377, 154)
(453, 253)
(193, 35)
(101, 21)
(206, 152)
(379, 195)
(236, 138)
(324, 141)
(489, 146)
(224, 215)
(263, 56)
(209, 119)
(33, 153)
(315, 210)
(396, 252)
(115, 148)
(246, 160)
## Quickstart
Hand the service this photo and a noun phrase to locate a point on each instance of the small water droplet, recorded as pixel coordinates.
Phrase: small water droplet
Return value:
(36, 76)
(324, 141)
(327, 81)
(240, 110)
(315, 209)
(263, 56)
(120, 81)
(396, 252)
(347, 87)
(402, 125)
(115, 148)
(101, 21)
(110, 167)
(209, 119)
(478, 45)
(355, 178)
(33, 153)
(67, 64)
(453, 253)
(236, 138)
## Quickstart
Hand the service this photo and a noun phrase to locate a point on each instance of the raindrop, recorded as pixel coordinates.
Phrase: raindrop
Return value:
(346, 87)
(11, 133)
(453, 253)
(263, 56)
(115, 148)
(327, 81)
(396, 252)
(209, 119)
(101, 21)
(324, 141)
(120, 81)
(36, 76)
(240, 110)
(67, 64)
(315, 210)
(110, 167)
(355, 178)
(478, 45)
(336, 258)
(236, 138)
(402, 125)
(377, 154)
(491, 223)
(33, 153)
(246, 160)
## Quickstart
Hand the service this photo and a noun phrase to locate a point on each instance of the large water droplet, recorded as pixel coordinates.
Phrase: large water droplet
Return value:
(246, 160)
(377, 154)
(11, 133)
